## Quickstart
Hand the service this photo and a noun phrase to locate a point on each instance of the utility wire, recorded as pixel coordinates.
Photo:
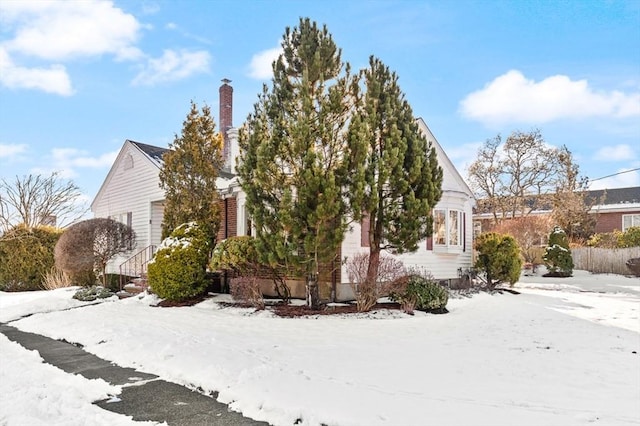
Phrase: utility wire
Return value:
(615, 174)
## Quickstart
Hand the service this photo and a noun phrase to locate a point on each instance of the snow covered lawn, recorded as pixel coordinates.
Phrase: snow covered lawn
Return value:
(553, 355)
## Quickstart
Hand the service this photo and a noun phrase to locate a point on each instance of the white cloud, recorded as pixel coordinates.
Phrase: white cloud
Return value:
(11, 150)
(463, 155)
(71, 157)
(65, 161)
(513, 98)
(261, 63)
(172, 66)
(620, 152)
(62, 30)
(625, 179)
(53, 79)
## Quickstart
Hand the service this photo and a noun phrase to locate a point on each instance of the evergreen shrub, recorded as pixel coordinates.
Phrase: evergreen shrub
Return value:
(498, 258)
(421, 293)
(630, 237)
(178, 270)
(89, 294)
(26, 256)
(557, 257)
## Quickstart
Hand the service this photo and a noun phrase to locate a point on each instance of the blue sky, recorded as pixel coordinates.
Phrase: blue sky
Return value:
(79, 78)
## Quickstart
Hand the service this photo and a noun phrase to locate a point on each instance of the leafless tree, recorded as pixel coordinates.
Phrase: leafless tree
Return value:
(88, 246)
(514, 178)
(35, 200)
(571, 207)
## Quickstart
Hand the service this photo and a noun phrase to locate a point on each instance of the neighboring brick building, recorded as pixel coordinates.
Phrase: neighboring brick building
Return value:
(616, 209)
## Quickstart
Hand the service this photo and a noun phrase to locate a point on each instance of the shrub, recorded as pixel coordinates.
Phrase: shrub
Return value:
(239, 256)
(247, 290)
(498, 258)
(26, 256)
(367, 293)
(177, 271)
(616, 239)
(630, 237)
(87, 247)
(421, 293)
(557, 257)
(89, 294)
(55, 278)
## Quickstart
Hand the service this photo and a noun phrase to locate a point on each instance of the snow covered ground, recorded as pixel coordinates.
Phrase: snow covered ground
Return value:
(553, 355)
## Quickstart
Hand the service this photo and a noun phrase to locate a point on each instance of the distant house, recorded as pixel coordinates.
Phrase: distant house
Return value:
(131, 194)
(619, 210)
(615, 209)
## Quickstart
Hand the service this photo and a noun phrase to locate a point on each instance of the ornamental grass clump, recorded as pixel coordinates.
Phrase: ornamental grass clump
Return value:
(557, 257)
(177, 271)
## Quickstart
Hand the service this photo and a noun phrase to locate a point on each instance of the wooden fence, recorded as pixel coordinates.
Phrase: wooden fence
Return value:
(604, 261)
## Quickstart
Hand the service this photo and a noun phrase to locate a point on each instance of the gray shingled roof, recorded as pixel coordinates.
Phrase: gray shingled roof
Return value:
(616, 195)
(156, 153)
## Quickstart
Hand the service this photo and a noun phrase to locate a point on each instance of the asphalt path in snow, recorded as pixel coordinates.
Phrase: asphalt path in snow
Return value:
(144, 396)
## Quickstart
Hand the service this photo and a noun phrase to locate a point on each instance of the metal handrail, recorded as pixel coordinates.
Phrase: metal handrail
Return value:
(136, 265)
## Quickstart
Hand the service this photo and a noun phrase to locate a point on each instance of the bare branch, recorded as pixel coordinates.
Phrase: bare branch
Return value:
(38, 200)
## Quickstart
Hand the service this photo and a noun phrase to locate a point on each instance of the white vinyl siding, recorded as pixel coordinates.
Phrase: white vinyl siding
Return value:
(132, 190)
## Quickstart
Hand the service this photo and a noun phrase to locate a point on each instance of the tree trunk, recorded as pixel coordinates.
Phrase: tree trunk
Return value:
(313, 297)
(368, 294)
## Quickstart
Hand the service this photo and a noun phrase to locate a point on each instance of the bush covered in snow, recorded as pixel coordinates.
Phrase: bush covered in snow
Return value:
(26, 255)
(89, 294)
(498, 258)
(557, 256)
(421, 293)
(177, 271)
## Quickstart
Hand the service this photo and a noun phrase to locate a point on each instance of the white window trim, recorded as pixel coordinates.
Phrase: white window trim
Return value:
(447, 247)
(635, 220)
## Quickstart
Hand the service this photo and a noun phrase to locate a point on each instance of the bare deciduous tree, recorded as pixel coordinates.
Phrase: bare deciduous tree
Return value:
(571, 207)
(89, 245)
(513, 179)
(36, 200)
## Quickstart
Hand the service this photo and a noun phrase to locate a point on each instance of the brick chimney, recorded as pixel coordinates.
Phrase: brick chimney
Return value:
(226, 118)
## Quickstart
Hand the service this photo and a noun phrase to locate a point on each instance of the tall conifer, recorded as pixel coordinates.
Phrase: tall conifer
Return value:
(397, 181)
(189, 175)
(295, 158)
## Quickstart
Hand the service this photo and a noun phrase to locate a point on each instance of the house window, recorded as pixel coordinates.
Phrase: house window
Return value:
(127, 219)
(629, 220)
(248, 223)
(448, 228)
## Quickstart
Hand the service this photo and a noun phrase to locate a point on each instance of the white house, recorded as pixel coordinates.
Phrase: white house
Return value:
(131, 194)
(450, 251)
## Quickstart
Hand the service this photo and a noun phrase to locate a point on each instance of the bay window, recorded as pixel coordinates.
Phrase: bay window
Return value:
(448, 228)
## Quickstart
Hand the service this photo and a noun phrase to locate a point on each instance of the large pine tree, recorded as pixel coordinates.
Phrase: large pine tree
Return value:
(189, 175)
(295, 158)
(397, 178)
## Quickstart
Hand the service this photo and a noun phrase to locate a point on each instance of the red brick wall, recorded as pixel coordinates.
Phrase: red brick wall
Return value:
(226, 115)
(607, 222)
(228, 218)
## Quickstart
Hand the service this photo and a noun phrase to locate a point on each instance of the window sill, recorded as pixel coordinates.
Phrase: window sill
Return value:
(447, 249)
